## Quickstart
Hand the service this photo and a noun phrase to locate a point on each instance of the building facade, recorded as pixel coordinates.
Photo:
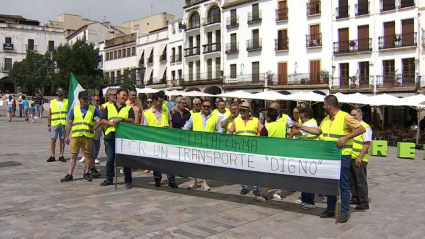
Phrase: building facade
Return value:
(150, 23)
(175, 55)
(94, 33)
(19, 35)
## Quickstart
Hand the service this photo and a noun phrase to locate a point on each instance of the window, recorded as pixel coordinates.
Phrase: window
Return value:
(30, 46)
(119, 76)
(51, 45)
(314, 71)
(119, 53)
(344, 75)
(107, 56)
(8, 40)
(136, 27)
(194, 20)
(123, 53)
(218, 67)
(173, 75)
(255, 72)
(112, 77)
(233, 72)
(7, 63)
(198, 69)
(180, 74)
(214, 15)
(115, 54)
(128, 51)
(133, 51)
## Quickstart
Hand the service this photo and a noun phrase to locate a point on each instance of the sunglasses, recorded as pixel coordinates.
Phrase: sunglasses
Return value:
(242, 110)
(206, 106)
(198, 104)
(149, 102)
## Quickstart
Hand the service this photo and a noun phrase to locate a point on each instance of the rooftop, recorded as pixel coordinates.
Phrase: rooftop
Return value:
(120, 40)
(18, 19)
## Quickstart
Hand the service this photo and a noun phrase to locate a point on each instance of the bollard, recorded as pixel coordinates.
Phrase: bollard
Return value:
(379, 148)
(406, 150)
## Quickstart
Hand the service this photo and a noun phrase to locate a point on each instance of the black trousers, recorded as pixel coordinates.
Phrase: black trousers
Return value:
(358, 183)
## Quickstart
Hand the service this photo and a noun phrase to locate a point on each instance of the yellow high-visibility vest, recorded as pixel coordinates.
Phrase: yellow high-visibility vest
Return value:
(276, 129)
(113, 114)
(82, 127)
(358, 144)
(310, 136)
(250, 129)
(58, 115)
(300, 121)
(215, 112)
(152, 121)
(106, 104)
(199, 126)
(332, 131)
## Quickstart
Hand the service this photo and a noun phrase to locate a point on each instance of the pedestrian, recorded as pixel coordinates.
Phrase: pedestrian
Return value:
(284, 118)
(37, 103)
(181, 115)
(360, 159)
(248, 126)
(227, 122)
(340, 127)
(80, 122)
(42, 106)
(56, 124)
(25, 106)
(32, 112)
(9, 103)
(203, 122)
(158, 116)
(14, 106)
(196, 106)
(136, 105)
(21, 107)
(112, 115)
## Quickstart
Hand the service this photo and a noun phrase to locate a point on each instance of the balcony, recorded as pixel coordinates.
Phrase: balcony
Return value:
(156, 81)
(353, 46)
(254, 44)
(232, 22)
(282, 44)
(342, 12)
(232, 48)
(212, 77)
(8, 47)
(314, 40)
(397, 41)
(406, 3)
(31, 47)
(254, 17)
(313, 8)
(213, 19)
(175, 59)
(387, 5)
(172, 59)
(346, 83)
(212, 47)
(281, 14)
(163, 57)
(362, 9)
(396, 80)
(299, 79)
(193, 51)
(244, 80)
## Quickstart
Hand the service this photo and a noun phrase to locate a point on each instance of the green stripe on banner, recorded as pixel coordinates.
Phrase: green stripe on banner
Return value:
(310, 149)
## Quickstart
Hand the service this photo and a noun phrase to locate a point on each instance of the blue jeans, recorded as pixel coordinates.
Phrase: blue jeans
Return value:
(158, 177)
(254, 188)
(344, 186)
(110, 163)
(307, 198)
(21, 109)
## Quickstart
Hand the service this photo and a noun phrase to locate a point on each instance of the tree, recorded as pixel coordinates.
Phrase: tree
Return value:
(81, 59)
(32, 72)
(127, 81)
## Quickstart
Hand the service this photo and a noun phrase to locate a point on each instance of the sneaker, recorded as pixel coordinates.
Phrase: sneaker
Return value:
(82, 160)
(32, 121)
(327, 214)
(244, 191)
(205, 186)
(106, 183)
(94, 173)
(128, 185)
(51, 159)
(343, 218)
(354, 202)
(172, 185)
(157, 183)
(193, 186)
(62, 159)
(256, 193)
(96, 161)
(87, 177)
(277, 196)
(35, 117)
(67, 178)
(362, 207)
(298, 201)
(308, 206)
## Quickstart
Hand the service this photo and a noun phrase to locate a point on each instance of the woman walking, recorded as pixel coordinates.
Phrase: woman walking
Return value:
(9, 101)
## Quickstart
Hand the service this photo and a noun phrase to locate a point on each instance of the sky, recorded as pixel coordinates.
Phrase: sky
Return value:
(115, 11)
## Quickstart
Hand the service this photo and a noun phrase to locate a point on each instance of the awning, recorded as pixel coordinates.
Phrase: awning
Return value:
(161, 50)
(149, 51)
(148, 75)
(141, 53)
(161, 72)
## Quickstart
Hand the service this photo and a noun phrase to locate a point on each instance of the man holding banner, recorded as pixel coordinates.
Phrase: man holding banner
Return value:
(227, 122)
(203, 122)
(340, 127)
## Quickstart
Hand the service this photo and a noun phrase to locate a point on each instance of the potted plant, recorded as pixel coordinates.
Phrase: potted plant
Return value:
(353, 81)
(325, 76)
(397, 40)
(352, 44)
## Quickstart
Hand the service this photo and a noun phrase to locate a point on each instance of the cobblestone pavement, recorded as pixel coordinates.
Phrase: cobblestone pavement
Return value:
(34, 204)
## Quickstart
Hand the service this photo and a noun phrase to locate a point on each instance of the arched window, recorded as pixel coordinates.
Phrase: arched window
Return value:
(214, 15)
(194, 20)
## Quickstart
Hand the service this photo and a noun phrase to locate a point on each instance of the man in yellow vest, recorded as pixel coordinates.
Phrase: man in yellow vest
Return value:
(159, 116)
(204, 122)
(196, 106)
(360, 159)
(82, 124)
(248, 126)
(227, 122)
(274, 128)
(340, 127)
(284, 118)
(111, 97)
(217, 102)
(296, 115)
(112, 115)
(56, 123)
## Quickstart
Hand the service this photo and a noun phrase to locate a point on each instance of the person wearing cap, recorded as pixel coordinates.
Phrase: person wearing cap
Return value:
(56, 122)
(82, 124)
(203, 122)
(248, 126)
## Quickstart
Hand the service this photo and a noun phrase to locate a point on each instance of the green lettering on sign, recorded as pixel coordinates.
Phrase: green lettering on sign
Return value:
(406, 150)
(379, 148)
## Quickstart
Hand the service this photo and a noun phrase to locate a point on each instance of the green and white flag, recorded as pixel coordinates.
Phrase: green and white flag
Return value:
(295, 165)
(74, 89)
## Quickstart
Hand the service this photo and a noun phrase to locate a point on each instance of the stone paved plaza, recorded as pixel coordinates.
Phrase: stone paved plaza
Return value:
(34, 204)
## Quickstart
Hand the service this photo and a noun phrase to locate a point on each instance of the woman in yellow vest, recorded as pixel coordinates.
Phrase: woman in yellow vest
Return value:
(360, 159)
(340, 127)
(80, 122)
